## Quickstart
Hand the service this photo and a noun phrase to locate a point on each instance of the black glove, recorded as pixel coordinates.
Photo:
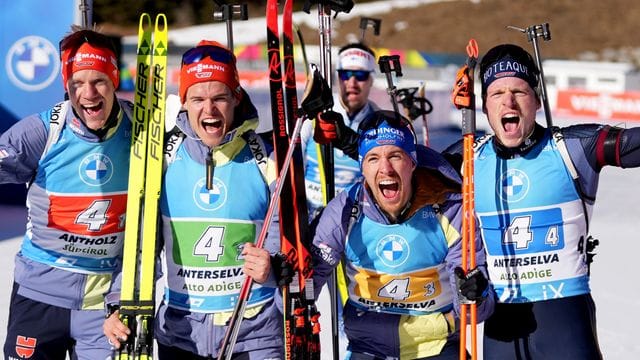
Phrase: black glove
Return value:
(472, 287)
(347, 141)
(282, 269)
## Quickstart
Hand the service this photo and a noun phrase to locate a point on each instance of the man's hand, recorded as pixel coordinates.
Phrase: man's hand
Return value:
(472, 286)
(462, 92)
(257, 262)
(115, 330)
(328, 127)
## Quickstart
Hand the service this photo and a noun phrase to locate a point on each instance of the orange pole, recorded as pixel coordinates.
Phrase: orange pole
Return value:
(468, 208)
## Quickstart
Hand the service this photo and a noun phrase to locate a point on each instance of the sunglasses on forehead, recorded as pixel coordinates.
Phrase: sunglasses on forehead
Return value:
(360, 75)
(215, 53)
(392, 118)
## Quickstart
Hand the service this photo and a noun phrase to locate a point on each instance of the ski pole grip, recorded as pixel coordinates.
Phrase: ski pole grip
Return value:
(389, 64)
(536, 31)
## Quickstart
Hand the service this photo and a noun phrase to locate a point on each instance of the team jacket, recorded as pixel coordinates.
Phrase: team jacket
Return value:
(400, 279)
(76, 205)
(204, 230)
(346, 169)
(534, 217)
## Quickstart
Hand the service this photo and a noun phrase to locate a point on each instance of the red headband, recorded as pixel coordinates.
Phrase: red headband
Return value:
(88, 57)
(207, 69)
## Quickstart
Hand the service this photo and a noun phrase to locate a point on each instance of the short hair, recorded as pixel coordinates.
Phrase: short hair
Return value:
(79, 36)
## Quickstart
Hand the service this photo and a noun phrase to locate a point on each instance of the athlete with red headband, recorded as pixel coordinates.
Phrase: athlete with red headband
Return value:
(215, 195)
(74, 158)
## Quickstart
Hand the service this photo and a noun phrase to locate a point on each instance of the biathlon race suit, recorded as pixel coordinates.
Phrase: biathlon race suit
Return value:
(76, 205)
(203, 285)
(534, 215)
(416, 257)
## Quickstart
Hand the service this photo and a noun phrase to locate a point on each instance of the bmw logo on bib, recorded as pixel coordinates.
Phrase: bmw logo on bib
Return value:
(513, 185)
(96, 169)
(210, 199)
(32, 63)
(393, 250)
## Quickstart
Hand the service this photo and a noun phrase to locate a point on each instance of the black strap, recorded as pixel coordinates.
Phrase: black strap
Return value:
(610, 146)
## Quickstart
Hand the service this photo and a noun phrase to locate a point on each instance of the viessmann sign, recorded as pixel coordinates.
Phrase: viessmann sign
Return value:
(603, 106)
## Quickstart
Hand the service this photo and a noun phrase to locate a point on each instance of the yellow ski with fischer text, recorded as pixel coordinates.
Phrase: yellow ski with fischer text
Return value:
(137, 301)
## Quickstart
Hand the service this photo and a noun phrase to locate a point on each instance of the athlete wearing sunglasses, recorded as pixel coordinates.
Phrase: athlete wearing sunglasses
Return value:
(355, 65)
(360, 75)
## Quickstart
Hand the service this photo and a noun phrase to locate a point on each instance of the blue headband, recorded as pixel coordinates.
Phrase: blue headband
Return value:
(385, 134)
(508, 67)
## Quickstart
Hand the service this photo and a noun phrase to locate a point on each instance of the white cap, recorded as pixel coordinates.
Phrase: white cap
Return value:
(356, 58)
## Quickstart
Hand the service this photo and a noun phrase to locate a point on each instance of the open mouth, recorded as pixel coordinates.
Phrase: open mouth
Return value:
(211, 126)
(510, 123)
(92, 110)
(389, 188)
(353, 92)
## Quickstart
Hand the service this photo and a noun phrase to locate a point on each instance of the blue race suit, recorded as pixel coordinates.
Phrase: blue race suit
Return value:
(402, 302)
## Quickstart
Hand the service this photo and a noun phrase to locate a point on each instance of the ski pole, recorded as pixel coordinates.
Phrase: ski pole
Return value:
(423, 99)
(388, 65)
(468, 207)
(325, 155)
(365, 23)
(228, 13)
(231, 335)
(85, 10)
(533, 33)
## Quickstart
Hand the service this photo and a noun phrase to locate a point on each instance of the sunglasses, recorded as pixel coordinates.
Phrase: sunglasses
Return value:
(392, 118)
(361, 75)
(215, 53)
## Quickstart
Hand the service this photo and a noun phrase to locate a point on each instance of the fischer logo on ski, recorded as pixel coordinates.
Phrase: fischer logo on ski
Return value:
(137, 302)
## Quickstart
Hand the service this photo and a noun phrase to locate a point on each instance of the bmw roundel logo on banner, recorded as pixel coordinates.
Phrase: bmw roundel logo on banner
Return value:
(32, 63)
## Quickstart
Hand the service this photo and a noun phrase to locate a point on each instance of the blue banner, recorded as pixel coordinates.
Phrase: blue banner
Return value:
(30, 80)
(30, 31)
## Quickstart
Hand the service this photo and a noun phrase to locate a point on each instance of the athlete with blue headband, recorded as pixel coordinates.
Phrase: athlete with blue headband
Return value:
(398, 231)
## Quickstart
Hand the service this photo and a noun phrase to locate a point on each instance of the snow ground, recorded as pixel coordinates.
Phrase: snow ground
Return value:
(616, 222)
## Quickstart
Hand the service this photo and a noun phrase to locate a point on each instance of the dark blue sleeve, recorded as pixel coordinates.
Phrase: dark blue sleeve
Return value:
(585, 144)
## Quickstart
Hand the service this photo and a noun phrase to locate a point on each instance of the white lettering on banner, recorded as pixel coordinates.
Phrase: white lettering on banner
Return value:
(621, 106)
